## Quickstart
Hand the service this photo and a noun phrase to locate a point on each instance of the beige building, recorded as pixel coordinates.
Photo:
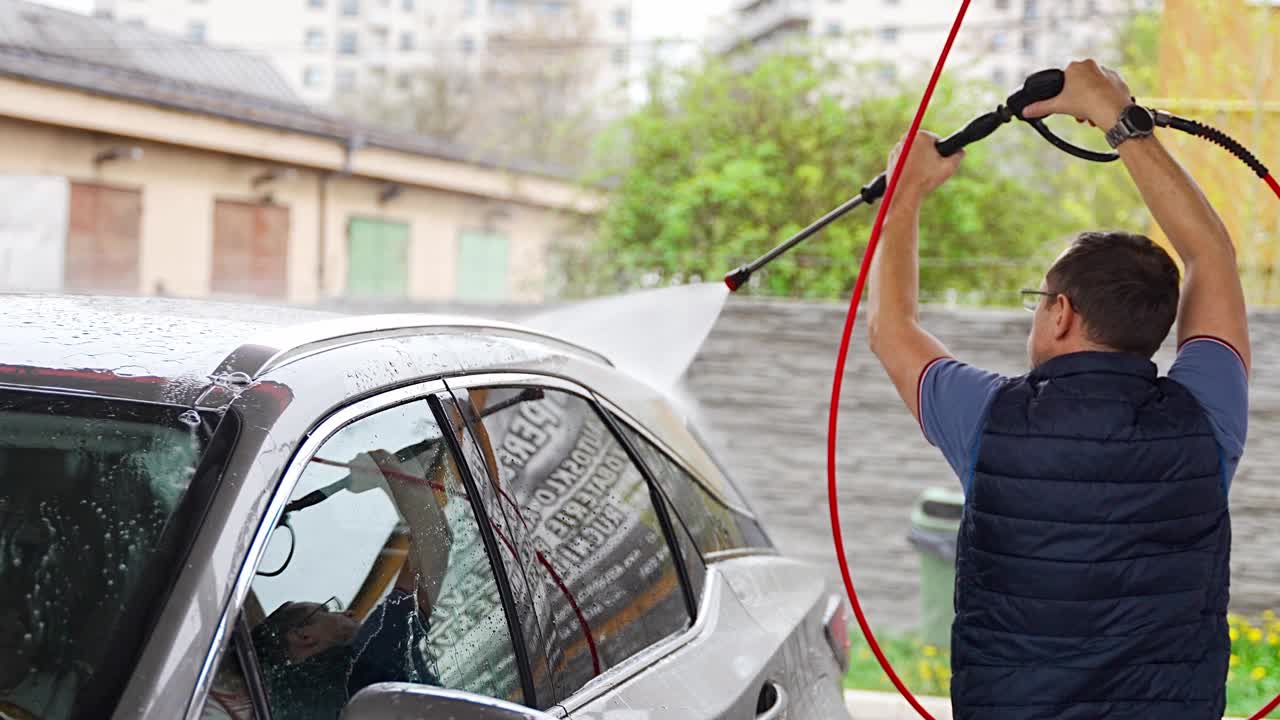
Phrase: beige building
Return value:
(120, 173)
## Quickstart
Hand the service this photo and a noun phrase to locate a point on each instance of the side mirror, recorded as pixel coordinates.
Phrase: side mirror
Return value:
(406, 701)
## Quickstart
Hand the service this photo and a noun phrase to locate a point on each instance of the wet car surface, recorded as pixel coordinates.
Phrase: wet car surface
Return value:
(217, 510)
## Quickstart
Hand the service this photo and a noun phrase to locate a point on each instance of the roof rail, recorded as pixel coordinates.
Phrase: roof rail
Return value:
(280, 346)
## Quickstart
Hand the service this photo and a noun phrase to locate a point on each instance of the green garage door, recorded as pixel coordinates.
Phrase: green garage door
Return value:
(483, 262)
(377, 259)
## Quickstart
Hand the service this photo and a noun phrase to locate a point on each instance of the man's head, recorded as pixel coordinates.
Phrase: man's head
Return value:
(1108, 291)
(297, 631)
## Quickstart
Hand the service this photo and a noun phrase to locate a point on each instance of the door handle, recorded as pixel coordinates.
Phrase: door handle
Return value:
(772, 703)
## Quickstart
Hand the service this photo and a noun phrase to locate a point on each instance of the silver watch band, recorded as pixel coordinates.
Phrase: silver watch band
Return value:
(1122, 130)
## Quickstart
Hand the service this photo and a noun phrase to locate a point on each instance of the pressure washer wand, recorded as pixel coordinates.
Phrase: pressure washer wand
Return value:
(1039, 86)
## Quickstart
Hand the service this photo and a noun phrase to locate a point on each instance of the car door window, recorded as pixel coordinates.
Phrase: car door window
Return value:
(715, 526)
(602, 557)
(379, 573)
(229, 697)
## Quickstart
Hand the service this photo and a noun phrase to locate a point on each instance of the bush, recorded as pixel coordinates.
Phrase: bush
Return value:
(1252, 681)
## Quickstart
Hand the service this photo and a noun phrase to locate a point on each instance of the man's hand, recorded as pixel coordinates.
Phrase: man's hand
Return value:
(1092, 93)
(925, 169)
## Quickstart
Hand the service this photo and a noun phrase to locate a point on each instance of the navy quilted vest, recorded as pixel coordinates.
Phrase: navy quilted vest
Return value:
(1092, 565)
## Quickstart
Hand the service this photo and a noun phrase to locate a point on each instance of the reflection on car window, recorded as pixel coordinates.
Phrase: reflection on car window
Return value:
(88, 488)
(601, 555)
(229, 697)
(715, 526)
(378, 580)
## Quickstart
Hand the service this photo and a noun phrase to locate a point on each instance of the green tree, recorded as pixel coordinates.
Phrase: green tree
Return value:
(719, 166)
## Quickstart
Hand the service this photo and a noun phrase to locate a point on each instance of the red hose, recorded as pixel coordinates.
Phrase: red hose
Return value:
(839, 372)
(837, 382)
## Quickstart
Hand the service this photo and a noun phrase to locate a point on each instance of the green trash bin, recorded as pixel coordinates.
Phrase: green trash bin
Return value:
(935, 523)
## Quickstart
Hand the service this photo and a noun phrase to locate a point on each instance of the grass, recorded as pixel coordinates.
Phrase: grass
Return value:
(1252, 681)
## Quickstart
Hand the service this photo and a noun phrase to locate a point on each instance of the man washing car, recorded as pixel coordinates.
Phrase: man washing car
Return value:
(1093, 560)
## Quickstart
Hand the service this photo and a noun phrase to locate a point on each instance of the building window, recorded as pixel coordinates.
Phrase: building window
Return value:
(504, 7)
(1031, 10)
(468, 45)
(834, 29)
(406, 41)
(1028, 44)
(998, 76)
(315, 39)
(313, 76)
(315, 4)
(619, 56)
(197, 30)
(888, 73)
(406, 5)
(468, 8)
(348, 42)
(1000, 40)
(889, 34)
(404, 81)
(1002, 4)
(553, 8)
(350, 8)
(621, 18)
(381, 39)
(345, 79)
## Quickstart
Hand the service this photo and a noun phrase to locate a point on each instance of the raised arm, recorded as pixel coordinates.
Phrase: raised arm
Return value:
(1212, 300)
(902, 346)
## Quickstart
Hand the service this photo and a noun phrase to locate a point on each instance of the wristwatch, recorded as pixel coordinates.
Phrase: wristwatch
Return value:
(1135, 121)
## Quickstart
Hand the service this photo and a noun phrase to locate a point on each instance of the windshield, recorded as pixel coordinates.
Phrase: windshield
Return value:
(89, 494)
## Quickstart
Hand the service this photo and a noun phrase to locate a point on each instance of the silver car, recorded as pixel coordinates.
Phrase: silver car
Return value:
(374, 517)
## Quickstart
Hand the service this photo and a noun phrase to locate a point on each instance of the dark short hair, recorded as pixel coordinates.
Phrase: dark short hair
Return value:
(1124, 286)
(269, 635)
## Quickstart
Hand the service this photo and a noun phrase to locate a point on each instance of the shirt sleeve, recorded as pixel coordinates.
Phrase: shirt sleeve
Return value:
(954, 398)
(1215, 374)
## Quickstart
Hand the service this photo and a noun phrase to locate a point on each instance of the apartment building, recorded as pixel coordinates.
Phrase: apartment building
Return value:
(330, 48)
(1003, 40)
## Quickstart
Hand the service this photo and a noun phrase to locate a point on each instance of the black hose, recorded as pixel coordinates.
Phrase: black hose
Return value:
(1217, 137)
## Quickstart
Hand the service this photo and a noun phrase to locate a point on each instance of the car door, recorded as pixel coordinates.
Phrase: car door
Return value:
(799, 622)
(609, 556)
(382, 566)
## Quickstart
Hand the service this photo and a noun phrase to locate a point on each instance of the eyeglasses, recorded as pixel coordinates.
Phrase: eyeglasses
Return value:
(1031, 298)
(333, 605)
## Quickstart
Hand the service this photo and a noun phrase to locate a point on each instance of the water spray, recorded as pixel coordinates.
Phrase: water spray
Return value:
(1039, 86)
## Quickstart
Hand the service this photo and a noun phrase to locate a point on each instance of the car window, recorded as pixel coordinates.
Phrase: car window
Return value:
(372, 577)
(602, 558)
(229, 696)
(715, 526)
(97, 498)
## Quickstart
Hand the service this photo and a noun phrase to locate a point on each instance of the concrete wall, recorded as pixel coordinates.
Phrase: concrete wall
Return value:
(180, 184)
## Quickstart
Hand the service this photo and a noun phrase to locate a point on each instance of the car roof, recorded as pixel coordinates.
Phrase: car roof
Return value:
(173, 349)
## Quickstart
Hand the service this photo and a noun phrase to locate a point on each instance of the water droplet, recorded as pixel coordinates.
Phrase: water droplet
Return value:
(27, 638)
(121, 567)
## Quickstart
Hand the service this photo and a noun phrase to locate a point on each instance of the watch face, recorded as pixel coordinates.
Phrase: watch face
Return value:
(1139, 119)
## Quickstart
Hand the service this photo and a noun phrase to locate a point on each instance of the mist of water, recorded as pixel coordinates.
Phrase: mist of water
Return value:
(653, 335)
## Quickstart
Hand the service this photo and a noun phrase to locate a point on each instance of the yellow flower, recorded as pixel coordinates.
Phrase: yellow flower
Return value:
(1235, 634)
(1255, 635)
(1273, 639)
(1269, 615)
(1235, 660)
(1258, 673)
(931, 651)
(925, 669)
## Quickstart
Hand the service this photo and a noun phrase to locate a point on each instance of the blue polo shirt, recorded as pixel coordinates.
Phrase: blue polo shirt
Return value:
(954, 398)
